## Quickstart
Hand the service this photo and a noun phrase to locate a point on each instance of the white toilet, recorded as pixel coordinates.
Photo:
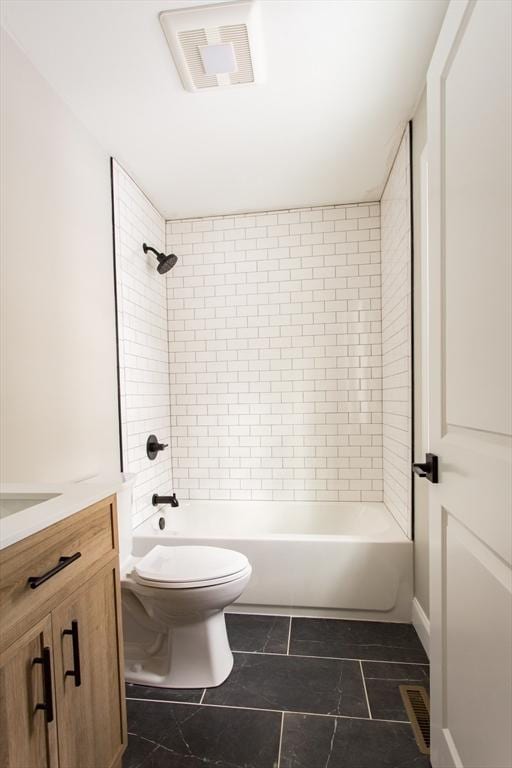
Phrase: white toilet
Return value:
(173, 608)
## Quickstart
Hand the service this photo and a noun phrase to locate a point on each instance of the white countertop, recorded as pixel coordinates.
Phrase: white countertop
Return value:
(72, 498)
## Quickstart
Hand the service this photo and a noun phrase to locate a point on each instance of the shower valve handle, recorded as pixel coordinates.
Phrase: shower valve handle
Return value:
(153, 447)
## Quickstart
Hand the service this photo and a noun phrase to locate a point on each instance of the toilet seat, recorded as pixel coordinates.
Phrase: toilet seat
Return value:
(189, 567)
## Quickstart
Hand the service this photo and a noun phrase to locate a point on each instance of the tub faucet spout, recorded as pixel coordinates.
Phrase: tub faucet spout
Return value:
(172, 500)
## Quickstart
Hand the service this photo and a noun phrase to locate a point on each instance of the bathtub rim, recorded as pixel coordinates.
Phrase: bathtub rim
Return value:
(392, 533)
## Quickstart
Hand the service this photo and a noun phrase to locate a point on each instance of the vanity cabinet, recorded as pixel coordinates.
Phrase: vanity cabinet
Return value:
(62, 701)
(90, 714)
(28, 736)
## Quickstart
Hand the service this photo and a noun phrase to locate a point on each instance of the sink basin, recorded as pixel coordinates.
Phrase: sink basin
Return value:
(10, 503)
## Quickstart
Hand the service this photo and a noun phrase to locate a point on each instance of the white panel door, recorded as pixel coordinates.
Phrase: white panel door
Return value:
(470, 417)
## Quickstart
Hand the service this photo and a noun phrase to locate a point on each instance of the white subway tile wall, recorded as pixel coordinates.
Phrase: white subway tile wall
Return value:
(396, 339)
(143, 342)
(275, 355)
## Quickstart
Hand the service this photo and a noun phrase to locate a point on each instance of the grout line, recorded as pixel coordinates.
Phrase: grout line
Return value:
(202, 696)
(262, 653)
(289, 637)
(280, 741)
(263, 212)
(365, 691)
(337, 658)
(277, 711)
(318, 618)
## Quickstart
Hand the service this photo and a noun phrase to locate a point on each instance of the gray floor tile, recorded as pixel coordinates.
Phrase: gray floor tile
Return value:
(327, 686)
(192, 695)
(176, 735)
(266, 634)
(310, 741)
(382, 684)
(374, 640)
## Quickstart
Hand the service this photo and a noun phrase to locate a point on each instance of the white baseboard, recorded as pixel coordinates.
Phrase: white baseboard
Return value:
(421, 624)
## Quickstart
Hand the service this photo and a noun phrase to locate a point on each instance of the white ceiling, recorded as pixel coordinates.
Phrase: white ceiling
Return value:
(343, 76)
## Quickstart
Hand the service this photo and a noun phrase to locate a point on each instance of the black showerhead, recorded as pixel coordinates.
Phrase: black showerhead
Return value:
(165, 263)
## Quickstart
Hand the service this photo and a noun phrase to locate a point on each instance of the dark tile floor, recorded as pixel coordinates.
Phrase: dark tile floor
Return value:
(304, 693)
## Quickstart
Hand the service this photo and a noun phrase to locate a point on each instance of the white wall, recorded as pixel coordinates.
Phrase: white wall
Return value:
(58, 388)
(275, 355)
(396, 339)
(143, 342)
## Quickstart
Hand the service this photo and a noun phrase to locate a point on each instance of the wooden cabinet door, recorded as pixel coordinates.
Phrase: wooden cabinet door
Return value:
(89, 679)
(27, 723)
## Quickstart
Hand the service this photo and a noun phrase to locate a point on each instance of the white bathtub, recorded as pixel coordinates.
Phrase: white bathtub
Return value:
(349, 560)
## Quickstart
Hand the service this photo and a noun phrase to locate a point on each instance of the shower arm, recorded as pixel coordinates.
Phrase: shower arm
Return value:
(147, 248)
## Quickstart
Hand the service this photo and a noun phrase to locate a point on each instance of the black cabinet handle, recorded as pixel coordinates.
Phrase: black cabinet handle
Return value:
(75, 672)
(46, 661)
(36, 581)
(429, 469)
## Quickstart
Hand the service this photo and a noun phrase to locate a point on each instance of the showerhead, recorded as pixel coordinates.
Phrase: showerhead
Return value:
(165, 263)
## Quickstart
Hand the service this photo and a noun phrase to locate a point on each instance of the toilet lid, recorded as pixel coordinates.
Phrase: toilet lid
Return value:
(186, 565)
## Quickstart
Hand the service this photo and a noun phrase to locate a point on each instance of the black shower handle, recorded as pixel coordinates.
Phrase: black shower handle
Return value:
(153, 447)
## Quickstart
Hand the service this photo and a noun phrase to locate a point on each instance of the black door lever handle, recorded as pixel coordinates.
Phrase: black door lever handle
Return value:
(429, 469)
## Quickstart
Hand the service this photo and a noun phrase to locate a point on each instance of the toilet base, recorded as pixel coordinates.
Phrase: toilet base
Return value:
(194, 654)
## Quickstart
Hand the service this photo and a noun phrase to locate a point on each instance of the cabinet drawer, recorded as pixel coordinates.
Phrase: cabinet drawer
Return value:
(91, 532)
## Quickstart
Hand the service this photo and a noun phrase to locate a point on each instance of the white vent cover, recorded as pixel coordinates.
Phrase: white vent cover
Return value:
(215, 45)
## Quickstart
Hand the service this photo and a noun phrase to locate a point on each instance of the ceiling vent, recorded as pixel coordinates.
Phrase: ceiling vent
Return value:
(215, 45)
